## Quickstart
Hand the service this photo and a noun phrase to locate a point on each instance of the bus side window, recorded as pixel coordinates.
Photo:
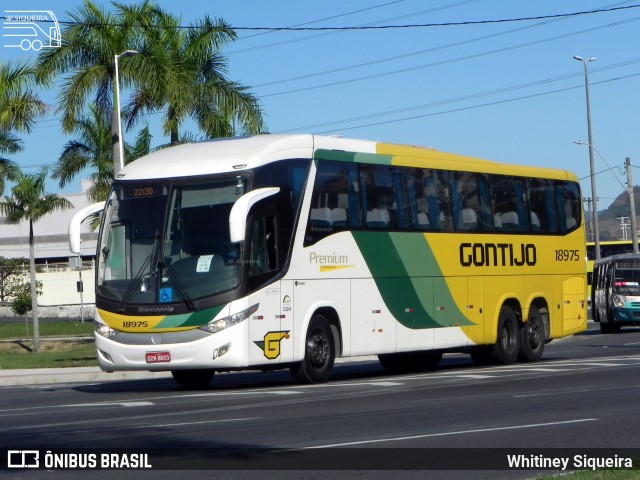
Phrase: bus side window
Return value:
(263, 256)
(471, 206)
(379, 197)
(334, 202)
(568, 205)
(509, 205)
(542, 206)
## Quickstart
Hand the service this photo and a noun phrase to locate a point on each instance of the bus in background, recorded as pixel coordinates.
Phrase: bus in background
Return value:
(287, 251)
(607, 249)
(615, 298)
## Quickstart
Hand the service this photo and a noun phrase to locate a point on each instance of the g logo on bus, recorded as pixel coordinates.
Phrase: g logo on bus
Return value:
(271, 344)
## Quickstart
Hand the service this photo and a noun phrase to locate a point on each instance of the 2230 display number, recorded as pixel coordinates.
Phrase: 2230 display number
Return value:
(567, 255)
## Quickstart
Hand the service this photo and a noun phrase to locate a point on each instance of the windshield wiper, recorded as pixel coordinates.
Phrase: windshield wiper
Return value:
(137, 280)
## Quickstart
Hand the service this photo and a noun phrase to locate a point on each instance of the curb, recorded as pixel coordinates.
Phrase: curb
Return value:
(46, 376)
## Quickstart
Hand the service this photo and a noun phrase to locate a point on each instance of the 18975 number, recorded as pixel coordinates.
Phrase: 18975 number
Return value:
(567, 255)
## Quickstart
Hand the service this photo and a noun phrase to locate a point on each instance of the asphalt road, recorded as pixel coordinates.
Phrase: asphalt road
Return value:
(365, 423)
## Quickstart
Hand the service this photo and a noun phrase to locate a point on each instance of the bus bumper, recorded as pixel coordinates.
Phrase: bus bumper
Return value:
(173, 350)
(626, 315)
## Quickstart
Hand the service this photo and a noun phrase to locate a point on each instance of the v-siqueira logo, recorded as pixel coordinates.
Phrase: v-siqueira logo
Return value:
(31, 30)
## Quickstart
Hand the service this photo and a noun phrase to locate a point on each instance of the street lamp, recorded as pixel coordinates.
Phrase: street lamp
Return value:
(118, 150)
(590, 143)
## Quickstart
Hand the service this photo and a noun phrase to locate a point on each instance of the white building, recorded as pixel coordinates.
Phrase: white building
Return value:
(57, 268)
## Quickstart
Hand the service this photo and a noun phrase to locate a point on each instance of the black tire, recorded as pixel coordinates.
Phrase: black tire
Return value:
(609, 325)
(319, 353)
(532, 337)
(507, 346)
(193, 379)
(606, 327)
(410, 361)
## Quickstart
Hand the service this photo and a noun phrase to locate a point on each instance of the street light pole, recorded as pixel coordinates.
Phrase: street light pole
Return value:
(632, 206)
(118, 146)
(594, 196)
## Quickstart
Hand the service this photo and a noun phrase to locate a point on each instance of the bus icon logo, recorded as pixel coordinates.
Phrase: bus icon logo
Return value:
(23, 458)
(31, 29)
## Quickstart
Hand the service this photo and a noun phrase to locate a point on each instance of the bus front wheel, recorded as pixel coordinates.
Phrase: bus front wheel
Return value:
(507, 347)
(319, 353)
(193, 379)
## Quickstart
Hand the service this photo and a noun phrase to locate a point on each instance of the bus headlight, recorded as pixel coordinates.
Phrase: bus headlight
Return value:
(226, 322)
(617, 301)
(105, 330)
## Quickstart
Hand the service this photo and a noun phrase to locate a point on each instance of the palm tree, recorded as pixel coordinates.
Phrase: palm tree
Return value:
(19, 109)
(184, 77)
(91, 150)
(90, 43)
(29, 202)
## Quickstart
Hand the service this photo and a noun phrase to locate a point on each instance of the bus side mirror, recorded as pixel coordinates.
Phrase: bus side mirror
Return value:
(76, 220)
(240, 210)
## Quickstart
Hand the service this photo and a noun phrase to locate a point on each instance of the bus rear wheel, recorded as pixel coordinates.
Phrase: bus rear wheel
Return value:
(507, 346)
(319, 353)
(193, 379)
(532, 337)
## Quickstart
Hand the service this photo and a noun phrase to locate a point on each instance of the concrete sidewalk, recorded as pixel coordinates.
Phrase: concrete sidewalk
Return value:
(45, 376)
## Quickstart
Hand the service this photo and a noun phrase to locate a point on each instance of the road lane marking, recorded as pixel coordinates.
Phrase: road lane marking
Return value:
(183, 424)
(444, 434)
(107, 404)
(604, 364)
(542, 369)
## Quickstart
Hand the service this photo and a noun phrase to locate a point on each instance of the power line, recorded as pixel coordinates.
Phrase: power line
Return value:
(327, 33)
(444, 24)
(466, 97)
(471, 107)
(409, 54)
(368, 27)
(452, 60)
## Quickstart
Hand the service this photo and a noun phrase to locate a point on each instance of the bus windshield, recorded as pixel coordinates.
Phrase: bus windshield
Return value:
(166, 243)
(627, 278)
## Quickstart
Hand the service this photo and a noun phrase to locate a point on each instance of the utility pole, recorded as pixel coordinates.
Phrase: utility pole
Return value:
(632, 206)
(594, 195)
(587, 200)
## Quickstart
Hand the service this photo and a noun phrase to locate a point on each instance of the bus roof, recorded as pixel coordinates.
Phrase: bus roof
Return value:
(241, 153)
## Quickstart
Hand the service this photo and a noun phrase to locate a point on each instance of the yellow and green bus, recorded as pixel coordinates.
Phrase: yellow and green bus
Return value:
(288, 251)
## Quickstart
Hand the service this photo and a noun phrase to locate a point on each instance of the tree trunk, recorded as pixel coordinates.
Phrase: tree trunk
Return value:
(34, 293)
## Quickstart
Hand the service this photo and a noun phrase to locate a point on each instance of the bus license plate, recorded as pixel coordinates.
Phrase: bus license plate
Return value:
(158, 357)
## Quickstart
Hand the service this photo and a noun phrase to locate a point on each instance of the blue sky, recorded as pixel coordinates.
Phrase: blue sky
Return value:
(508, 91)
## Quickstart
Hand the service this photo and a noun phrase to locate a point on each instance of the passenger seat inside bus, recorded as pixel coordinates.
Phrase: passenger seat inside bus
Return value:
(509, 222)
(378, 218)
(469, 220)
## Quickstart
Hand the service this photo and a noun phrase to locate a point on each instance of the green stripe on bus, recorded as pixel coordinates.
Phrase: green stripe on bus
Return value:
(196, 319)
(406, 280)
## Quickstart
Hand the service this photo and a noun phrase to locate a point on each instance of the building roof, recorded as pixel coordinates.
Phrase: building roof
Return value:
(50, 234)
